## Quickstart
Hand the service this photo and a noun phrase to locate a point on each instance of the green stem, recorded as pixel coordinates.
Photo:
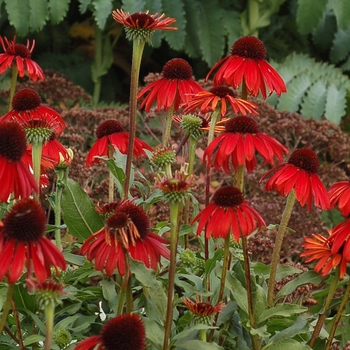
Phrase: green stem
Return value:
(174, 225)
(191, 154)
(169, 122)
(111, 178)
(138, 47)
(49, 315)
(215, 117)
(203, 335)
(7, 305)
(338, 316)
(322, 317)
(239, 178)
(253, 17)
(278, 245)
(36, 157)
(13, 85)
(98, 66)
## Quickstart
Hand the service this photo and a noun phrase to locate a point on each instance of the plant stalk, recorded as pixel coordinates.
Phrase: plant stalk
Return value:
(7, 305)
(36, 158)
(49, 315)
(98, 63)
(13, 85)
(169, 121)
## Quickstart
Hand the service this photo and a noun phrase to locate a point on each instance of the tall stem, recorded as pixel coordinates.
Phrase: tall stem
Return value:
(169, 122)
(338, 316)
(138, 46)
(111, 179)
(36, 157)
(49, 315)
(13, 85)
(7, 305)
(278, 245)
(98, 64)
(174, 224)
(322, 317)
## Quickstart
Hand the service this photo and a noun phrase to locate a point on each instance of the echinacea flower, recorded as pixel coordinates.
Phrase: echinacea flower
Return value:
(23, 244)
(55, 151)
(319, 248)
(20, 55)
(141, 25)
(228, 213)
(127, 227)
(339, 240)
(47, 292)
(28, 110)
(299, 174)
(111, 134)
(125, 332)
(247, 63)
(173, 88)
(15, 175)
(219, 97)
(239, 143)
(339, 195)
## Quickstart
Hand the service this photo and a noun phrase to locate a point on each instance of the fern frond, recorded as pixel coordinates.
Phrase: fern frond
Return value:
(341, 10)
(18, 11)
(309, 14)
(38, 14)
(335, 104)
(102, 10)
(133, 6)
(314, 101)
(58, 10)
(341, 46)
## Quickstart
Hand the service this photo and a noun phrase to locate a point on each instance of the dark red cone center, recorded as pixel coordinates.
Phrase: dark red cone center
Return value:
(305, 159)
(177, 68)
(117, 221)
(249, 47)
(12, 141)
(222, 91)
(25, 100)
(22, 51)
(243, 125)
(142, 20)
(108, 127)
(228, 196)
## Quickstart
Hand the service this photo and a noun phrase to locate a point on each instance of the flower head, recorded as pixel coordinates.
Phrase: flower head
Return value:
(127, 227)
(247, 63)
(238, 144)
(125, 332)
(15, 175)
(40, 121)
(339, 240)
(228, 213)
(163, 157)
(219, 97)
(110, 133)
(319, 248)
(19, 55)
(299, 174)
(23, 244)
(47, 292)
(339, 195)
(173, 88)
(54, 150)
(141, 25)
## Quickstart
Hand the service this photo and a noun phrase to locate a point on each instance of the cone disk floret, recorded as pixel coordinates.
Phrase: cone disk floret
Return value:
(242, 125)
(26, 100)
(305, 159)
(108, 127)
(228, 196)
(13, 142)
(177, 68)
(249, 47)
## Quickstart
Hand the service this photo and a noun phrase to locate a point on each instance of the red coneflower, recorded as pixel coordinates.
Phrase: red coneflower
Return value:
(15, 175)
(141, 25)
(319, 248)
(19, 55)
(28, 110)
(247, 63)
(23, 244)
(219, 97)
(339, 195)
(173, 88)
(299, 174)
(125, 332)
(238, 144)
(127, 225)
(339, 240)
(228, 213)
(54, 150)
(111, 134)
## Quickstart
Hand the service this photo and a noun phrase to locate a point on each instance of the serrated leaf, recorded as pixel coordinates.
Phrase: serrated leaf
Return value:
(346, 66)
(18, 11)
(210, 31)
(83, 5)
(335, 104)
(102, 10)
(324, 34)
(309, 14)
(154, 6)
(175, 38)
(313, 104)
(58, 10)
(133, 6)
(79, 212)
(193, 22)
(283, 310)
(341, 10)
(341, 48)
(232, 24)
(38, 14)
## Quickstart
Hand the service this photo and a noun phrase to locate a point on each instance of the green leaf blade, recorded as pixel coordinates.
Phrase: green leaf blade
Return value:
(341, 10)
(58, 10)
(133, 6)
(335, 104)
(38, 14)
(341, 48)
(18, 11)
(314, 102)
(309, 14)
(102, 10)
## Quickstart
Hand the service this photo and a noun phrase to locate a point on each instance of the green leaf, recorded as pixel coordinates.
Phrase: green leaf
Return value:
(346, 66)
(288, 344)
(154, 6)
(32, 339)
(38, 14)
(341, 10)
(24, 302)
(58, 10)
(324, 34)
(187, 332)
(103, 9)
(198, 345)
(282, 271)
(335, 104)
(238, 291)
(193, 22)
(133, 6)
(210, 31)
(308, 277)
(18, 11)
(232, 24)
(299, 326)
(83, 6)
(175, 38)
(314, 102)
(341, 48)
(74, 259)
(79, 212)
(63, 324)
(309, 14)
(107, 60)
(108, 290)
(283, 310)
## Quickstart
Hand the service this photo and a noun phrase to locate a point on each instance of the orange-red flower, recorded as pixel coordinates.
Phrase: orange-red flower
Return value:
(319, 248)
(55, 151)
(228, 213)
(219, 97)
(15, 175)
(19, 55)
(111, 134)
(238, 144)
(23, 244)
(127, 227)
(247, 63)
(126, 332)
(299, 174)
(173, 88)
(339, 195)
(339, 240)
